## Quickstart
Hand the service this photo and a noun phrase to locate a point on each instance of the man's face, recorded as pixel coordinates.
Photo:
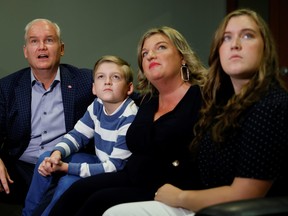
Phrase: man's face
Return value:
(43, 48)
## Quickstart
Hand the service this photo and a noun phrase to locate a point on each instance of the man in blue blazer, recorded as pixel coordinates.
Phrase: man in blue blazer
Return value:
(38, 105)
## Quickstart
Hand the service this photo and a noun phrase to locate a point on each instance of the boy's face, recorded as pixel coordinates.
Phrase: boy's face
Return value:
(110, 84)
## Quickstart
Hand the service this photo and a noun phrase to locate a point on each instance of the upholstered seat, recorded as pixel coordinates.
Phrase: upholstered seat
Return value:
(275, 206)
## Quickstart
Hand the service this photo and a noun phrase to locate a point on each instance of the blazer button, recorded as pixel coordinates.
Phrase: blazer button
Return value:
(175, 163)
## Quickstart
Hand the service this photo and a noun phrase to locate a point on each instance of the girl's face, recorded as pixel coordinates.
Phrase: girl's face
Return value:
(242, 49)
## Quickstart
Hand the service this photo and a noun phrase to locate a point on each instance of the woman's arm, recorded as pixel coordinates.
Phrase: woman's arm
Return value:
(194, 200)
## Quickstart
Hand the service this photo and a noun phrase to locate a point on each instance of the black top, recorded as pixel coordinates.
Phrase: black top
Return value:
(257, 149)
(159, 148)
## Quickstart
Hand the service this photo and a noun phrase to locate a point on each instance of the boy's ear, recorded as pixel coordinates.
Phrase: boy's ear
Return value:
(130, 89)
(93, 89)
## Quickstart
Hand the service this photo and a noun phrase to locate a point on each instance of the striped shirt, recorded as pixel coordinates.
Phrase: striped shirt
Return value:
(109, 133)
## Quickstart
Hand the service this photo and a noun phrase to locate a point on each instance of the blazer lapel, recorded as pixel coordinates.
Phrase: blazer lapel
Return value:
(68, 95)
(23, 98)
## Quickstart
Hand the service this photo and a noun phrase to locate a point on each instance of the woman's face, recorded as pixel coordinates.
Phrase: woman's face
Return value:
(242, 49)
(160, 59)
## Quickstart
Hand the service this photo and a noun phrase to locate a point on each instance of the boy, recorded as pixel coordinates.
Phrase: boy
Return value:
(106, 120)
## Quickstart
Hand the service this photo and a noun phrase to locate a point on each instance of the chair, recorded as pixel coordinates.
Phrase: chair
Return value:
(276, 206)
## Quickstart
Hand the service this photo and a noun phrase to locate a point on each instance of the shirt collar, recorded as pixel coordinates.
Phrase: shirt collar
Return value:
(57, 77)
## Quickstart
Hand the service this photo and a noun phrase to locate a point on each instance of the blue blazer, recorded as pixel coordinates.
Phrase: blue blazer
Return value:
(15, 105)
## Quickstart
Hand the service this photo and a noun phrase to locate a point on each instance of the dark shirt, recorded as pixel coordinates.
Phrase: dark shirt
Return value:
(257, 149)
(159, 148)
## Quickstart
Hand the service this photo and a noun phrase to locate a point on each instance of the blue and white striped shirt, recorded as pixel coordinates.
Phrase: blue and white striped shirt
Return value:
(109, 133)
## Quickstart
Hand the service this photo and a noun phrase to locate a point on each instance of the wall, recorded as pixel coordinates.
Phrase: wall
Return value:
(92, 28)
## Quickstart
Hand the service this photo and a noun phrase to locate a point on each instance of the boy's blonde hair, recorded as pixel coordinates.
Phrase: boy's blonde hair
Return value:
(125, 66)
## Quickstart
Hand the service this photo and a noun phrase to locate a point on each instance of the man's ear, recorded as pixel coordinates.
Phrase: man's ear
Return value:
(62, 49)
(25, 51)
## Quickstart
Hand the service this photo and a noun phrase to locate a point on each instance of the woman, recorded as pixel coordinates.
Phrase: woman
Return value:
(170, 76)
(241, 145)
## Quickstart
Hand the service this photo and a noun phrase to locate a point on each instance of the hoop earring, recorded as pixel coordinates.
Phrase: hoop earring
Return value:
(185, 75)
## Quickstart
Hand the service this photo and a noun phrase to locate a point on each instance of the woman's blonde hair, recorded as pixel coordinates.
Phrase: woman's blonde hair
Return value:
(197, 71)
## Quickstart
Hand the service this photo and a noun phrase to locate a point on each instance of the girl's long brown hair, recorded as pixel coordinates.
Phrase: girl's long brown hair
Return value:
(222, 108)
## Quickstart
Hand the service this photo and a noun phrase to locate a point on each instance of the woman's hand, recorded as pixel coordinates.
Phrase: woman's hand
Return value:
(168, 194)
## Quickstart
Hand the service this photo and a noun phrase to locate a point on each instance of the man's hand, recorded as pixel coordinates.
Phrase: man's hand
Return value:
(4, 178)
